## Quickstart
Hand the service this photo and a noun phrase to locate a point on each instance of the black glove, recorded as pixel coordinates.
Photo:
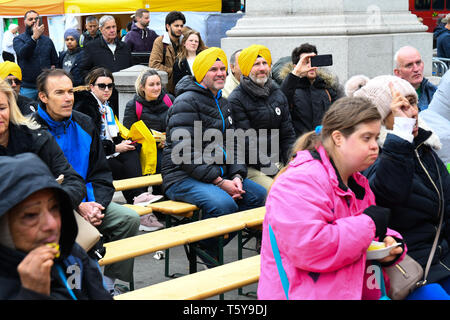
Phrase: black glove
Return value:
(380, 217)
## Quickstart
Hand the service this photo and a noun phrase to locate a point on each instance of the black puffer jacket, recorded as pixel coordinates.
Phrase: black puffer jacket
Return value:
(20, 180)
(400, 180)
(41, 142)
(153, 114)
(257, 111)
(308, 102)
(197, 104)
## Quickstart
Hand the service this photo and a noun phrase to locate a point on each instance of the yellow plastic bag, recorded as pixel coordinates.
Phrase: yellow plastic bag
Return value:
(140, 133)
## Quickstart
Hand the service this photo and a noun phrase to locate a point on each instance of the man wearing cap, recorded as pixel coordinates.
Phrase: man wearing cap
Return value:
(443, 40)
(35, 52)
(198, 166)
(409, 66)
(70, 59)
(258, 104)
(11, 73)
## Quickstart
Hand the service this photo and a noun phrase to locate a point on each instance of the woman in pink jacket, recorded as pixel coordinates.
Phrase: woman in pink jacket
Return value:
(322, 213)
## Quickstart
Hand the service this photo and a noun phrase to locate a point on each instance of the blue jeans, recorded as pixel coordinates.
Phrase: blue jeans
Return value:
(215, 202)
(29, 93)
(432, 291)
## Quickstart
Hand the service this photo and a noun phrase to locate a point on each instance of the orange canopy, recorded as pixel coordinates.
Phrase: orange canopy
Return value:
(16, 8)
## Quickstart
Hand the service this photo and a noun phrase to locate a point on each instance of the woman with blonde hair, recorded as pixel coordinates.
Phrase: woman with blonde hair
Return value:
(20, 134)
(150, 104)
(318, 251)
(191, 45)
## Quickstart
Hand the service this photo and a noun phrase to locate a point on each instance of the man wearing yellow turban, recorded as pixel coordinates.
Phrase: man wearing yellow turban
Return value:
(205, 60)
(259, 105)
(200, 170)
(12, 74)
(248, 57)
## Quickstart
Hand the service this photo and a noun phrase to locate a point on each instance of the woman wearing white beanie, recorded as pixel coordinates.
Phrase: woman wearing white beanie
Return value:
(410, 179)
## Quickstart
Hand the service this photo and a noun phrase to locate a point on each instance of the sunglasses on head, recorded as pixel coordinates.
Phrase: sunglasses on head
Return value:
(104, 85)
(16, 81)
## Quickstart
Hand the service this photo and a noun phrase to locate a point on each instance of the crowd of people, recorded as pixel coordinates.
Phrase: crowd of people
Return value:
(337, 165)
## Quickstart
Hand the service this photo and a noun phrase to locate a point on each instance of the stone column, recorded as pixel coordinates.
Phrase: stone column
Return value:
(124, 81)
(362, 35)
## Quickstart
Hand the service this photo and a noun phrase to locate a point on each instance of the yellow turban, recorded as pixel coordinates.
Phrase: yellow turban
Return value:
(248, 56)
(8, 67)
(205, 60)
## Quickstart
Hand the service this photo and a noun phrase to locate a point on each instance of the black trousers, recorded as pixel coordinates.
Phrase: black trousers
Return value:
(8, 56)
(127, 165)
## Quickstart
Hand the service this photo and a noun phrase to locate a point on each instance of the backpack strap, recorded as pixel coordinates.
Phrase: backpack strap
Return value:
(328, 93)
(138, 110)
(167, 100)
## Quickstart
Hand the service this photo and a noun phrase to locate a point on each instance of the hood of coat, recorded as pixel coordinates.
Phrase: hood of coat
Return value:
(153, 106)
(425, 133)
(25, 174)
(329, 79)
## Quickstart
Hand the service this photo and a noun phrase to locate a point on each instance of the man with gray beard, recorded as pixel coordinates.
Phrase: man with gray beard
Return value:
(258, 104)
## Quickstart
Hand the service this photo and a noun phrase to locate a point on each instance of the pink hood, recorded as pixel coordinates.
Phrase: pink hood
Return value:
(321, 233)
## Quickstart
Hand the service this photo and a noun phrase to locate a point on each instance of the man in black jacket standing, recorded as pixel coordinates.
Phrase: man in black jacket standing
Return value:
(194, 169)
(108, 52)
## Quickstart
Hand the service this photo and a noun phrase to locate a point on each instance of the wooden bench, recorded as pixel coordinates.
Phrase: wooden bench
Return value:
(203, 284)
(184, 234)
(138, 182)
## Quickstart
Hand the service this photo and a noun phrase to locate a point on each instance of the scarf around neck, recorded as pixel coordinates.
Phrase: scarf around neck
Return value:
(256, 90)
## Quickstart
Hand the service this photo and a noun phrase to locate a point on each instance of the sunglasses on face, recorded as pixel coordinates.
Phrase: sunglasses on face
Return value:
(103, 86)
(11, 81)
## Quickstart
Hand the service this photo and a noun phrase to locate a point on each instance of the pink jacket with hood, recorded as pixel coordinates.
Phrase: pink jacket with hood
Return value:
(321, 233)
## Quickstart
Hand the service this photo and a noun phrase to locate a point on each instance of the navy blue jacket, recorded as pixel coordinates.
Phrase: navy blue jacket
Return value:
(75, 70)
(400, 180)
(443, 44)
(34, 56)
(427, 90)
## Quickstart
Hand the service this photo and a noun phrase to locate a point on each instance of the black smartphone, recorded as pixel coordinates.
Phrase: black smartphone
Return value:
(40, 20)
(322, 60)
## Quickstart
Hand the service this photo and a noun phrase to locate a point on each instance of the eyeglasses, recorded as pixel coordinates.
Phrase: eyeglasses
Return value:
(103, 86)
(16, 81)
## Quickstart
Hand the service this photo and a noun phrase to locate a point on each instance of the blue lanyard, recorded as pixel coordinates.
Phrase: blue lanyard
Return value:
(64, 279)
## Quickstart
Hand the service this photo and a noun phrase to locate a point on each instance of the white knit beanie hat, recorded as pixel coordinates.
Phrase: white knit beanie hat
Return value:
(377, 90)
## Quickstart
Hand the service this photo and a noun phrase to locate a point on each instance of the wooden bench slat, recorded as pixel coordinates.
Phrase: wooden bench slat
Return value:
(203, 284)
(167, 238)
(172, 207)
(139, 209)
(137, 182)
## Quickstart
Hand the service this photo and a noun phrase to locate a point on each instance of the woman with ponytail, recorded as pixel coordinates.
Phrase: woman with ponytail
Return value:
(321, 215)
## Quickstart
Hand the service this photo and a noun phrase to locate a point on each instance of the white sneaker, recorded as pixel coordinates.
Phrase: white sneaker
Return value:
(146, 198)
(150, 223)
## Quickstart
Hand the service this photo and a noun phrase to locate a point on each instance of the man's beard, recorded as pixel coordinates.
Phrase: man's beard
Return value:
(259, 81)
(173, 34)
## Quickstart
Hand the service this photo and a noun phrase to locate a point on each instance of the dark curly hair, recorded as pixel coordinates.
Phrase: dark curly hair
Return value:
(304, 48)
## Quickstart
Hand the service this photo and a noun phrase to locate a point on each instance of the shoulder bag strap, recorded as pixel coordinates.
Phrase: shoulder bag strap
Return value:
(441, 213)
(276, 254)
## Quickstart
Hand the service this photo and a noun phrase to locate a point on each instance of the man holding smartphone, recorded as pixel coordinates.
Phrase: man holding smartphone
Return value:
(35, 52)
(309, 90)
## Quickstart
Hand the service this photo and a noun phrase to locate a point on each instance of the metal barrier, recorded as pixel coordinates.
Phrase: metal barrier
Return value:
(440, 66)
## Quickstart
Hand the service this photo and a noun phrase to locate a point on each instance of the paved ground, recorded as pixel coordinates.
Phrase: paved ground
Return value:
(148, 270)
